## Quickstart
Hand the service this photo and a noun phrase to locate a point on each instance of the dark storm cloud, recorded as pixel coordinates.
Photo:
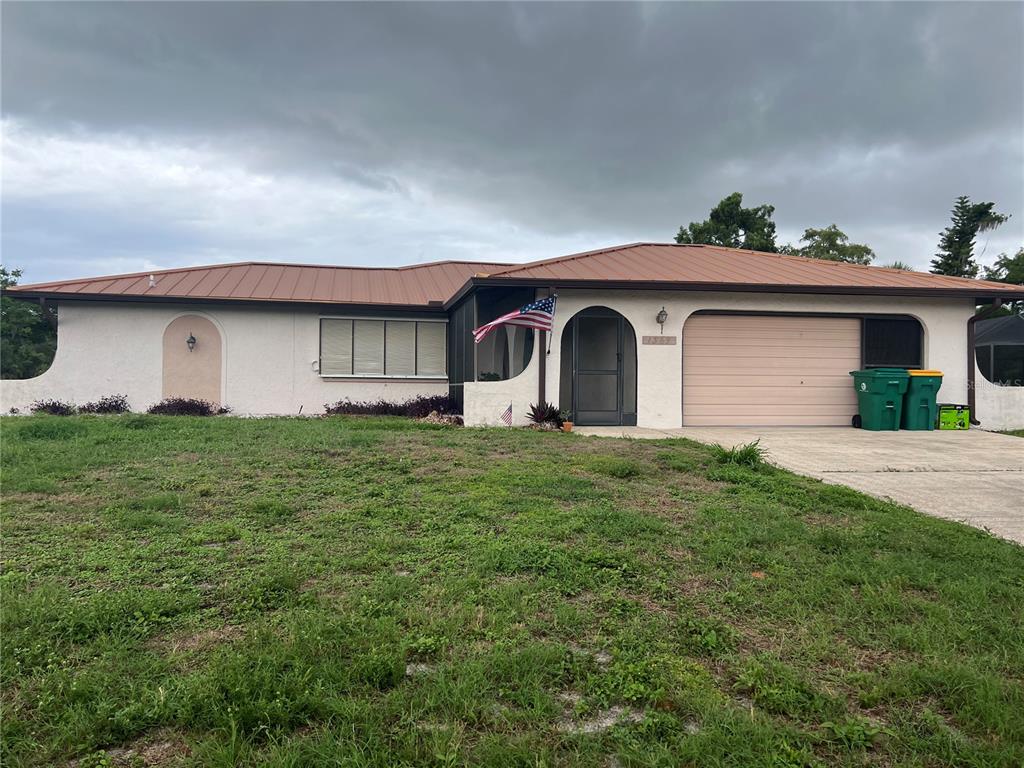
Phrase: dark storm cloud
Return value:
(602, 119)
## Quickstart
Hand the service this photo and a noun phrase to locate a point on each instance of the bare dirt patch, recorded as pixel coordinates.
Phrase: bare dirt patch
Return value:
(162, 748)
(415, 669)
(197, 641)
(601, 720)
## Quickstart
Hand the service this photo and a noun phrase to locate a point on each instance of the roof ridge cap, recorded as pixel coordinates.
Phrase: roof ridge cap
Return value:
(573, 257)
(250, 263)
(125, 275)
(834, 263)
(442, 261)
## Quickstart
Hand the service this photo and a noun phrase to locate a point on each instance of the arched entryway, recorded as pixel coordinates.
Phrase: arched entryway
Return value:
(598, 368)
(192, 359)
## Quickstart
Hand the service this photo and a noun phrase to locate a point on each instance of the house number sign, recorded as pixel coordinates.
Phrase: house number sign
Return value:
(661, 341)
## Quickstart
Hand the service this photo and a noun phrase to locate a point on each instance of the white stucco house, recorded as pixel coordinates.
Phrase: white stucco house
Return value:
(657, 335)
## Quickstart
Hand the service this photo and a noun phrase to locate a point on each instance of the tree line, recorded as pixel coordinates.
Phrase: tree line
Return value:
(28, 334)
(731, 225)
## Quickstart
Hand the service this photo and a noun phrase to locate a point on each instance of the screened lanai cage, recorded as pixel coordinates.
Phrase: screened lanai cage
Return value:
(999, 345)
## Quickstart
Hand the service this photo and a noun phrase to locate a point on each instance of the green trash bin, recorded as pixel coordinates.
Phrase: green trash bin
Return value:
(920, 410)
(880, 397)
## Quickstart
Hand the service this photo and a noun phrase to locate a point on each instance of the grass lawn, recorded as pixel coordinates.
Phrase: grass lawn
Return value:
(377, 592)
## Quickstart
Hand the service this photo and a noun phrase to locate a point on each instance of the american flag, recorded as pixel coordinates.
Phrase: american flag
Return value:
(506, 417)
(537, 314)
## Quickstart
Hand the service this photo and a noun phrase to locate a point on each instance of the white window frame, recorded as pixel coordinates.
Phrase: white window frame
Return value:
(385, 319)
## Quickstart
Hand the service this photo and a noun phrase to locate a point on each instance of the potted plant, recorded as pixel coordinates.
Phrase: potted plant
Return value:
(566, 417)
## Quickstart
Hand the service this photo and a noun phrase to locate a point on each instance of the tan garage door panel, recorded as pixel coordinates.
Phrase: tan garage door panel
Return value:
(764, 370)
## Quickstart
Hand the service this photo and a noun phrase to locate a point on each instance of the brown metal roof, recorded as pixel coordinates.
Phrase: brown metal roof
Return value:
(641, 265)
(710, 265)
(415, 285)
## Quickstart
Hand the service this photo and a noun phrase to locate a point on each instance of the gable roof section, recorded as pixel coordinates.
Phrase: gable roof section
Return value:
(418, 285)
(718, 268)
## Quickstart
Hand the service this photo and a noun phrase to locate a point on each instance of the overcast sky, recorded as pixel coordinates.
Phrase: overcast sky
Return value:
(141, 136)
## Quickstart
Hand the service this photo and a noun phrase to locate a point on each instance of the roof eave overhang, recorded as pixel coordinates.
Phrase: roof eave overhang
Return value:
(322, 306)
(1014, 293)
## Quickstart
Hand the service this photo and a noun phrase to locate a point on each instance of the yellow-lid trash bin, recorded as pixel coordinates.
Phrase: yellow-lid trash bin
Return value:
(920, 409)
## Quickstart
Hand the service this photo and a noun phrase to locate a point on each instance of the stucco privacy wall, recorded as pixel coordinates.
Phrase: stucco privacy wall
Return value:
(485, 401)
(268, 360)
(999, 408)
(659, 368)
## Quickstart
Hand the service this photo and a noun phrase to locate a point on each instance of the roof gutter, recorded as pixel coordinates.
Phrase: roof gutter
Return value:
(431, 309)
(972, 400)
(669, 285)
(1012, 293)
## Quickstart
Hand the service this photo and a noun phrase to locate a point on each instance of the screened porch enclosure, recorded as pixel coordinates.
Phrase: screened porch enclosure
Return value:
(502, 355)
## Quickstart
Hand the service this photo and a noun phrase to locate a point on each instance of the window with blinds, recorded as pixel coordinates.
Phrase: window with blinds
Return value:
(403, 348)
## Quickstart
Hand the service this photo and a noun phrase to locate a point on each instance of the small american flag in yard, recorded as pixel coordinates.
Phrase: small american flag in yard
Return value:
(506, 417)
(537, 314)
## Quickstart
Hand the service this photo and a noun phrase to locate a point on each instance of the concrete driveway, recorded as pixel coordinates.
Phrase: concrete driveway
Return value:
(974, 477)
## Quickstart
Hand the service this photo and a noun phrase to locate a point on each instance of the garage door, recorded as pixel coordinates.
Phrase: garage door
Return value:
(768, 370)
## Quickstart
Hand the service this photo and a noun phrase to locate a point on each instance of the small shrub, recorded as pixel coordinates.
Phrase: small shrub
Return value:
(186, 406)
(419, 407)
(108, 404)
(545, 413)
(749, 455)
(416, 408)
(54, 407)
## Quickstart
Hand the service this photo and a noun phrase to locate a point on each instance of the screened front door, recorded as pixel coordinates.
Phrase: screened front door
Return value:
(604, 368)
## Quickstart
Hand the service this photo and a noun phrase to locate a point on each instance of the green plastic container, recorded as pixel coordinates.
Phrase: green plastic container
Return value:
(954, 416)
(920, 410)
(880, 397)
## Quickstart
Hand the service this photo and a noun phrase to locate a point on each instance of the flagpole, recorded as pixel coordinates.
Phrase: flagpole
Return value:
(552, 334)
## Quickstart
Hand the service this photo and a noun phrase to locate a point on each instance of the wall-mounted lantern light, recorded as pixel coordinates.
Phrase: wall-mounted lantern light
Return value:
(191, 341)
(661, 319)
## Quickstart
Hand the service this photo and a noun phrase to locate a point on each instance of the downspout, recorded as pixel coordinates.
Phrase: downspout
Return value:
(542, 365)
(972, 357)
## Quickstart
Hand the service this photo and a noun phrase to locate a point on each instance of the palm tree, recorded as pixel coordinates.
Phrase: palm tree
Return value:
(899, 265)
